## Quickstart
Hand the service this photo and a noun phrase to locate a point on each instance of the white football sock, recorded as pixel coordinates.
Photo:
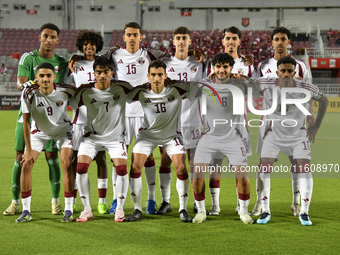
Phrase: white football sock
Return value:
(122, 186)
(182, 187)
(150, 177)
(265, 192)
(200, 205)
(102, 189)
(165, 183)
(84, 190)
(114, 178)
(26, 204)
(136, 186)
(69, 204)
(306, 186)
(215, 196)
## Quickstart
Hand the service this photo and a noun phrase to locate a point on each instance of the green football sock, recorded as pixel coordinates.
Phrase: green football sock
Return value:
(54, 170)
(16, 172)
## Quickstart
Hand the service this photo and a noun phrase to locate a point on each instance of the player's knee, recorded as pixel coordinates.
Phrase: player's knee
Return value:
(66, 164)
(181, 170)
(51, 155)
(135, 168)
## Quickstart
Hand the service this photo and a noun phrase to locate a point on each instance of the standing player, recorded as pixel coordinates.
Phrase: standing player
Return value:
(231, 41)
(221, 139)
(103, 130)
(47, 103)
(89, 43)
(185, 68)
(49, 37)
(292, 136)
(162, 109)
(131, 65)
(281, 37)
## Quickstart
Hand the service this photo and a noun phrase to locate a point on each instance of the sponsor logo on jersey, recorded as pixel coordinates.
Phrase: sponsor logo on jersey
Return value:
(93, 101)
(57, 69)
(183, 149)
(116, 97)
(240, 71)
(59, 103)
(81, 69)
(171, 70)
(124, 153)
(35, 68)
(268, 71)
(120, 61)
(141, 60)
(40, 104)
(147, 101)
(244, 161)
(193, 69)
(171, 98)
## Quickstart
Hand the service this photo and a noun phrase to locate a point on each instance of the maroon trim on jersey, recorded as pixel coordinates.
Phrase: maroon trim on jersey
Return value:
(206, 131)
(180, 90)
(67, 121)
(76, 116)
(152, 57)
(136, 97)
(126, 90)
(249, 71)
(81, 101)
(31, 99)
(209, 69)
(87, 134)
(300, 70)
(238, 132)
(35, 131)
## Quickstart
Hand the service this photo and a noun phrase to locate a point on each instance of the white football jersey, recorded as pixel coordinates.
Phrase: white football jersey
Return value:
(268, 68)
(48, 111)
(83, 74)
(187, 70)
(162, 111)
(241, 68)
(105, 110)
(295, 119)
(133, 68)
(220, 122)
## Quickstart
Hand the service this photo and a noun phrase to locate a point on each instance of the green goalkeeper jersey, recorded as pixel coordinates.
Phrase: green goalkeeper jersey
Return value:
(28, 68)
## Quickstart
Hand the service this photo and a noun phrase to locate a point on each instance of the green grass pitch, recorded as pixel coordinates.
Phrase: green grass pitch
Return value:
(224, 234)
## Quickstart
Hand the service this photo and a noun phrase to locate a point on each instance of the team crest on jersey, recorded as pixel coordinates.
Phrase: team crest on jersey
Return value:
(171, 98)
(59, 103)
(193, 69)
(141, 60)
(116, 97)
(57, 69)
(240, 71)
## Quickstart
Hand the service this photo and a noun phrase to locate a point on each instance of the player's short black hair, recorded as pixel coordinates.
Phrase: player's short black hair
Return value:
(223, 58)
(182, 31)
(50, 26)
(133, 25)
(86, 36)
(286, 60)
(45, 65)
(103, 62)
(157, 64)
(233, 30)
(282, 30)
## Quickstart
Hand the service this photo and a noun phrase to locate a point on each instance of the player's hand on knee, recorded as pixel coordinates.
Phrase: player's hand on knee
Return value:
(311, 133)
(26, 158)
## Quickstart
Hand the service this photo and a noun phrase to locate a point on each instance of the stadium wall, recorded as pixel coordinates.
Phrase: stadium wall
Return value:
(114, 14)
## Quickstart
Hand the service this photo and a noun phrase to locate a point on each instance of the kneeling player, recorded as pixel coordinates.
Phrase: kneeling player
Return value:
(48, 104)
(221, 139)
(293, 136)
(105, 104)
(162, 108)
